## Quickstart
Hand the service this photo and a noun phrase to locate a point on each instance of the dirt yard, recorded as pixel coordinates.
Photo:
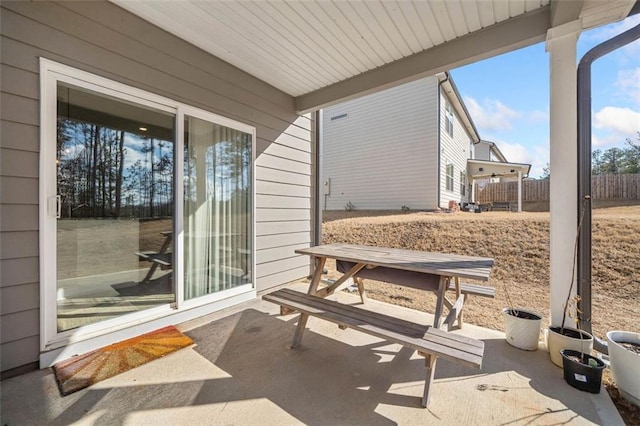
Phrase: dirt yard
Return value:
(519, 243)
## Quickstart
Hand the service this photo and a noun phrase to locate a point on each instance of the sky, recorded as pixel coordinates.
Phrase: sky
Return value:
(507, 97)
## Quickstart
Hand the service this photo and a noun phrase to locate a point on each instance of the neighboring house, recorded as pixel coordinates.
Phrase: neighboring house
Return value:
(404, 146)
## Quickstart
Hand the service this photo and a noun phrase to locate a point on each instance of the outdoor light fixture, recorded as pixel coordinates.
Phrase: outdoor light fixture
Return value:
(144, 129)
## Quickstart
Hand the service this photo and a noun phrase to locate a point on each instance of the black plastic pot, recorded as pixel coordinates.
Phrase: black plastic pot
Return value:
(580, 374)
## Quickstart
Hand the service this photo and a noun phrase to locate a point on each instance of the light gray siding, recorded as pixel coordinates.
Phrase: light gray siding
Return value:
(103, 39)
(454, 150)
(383, 153)
(482, 152)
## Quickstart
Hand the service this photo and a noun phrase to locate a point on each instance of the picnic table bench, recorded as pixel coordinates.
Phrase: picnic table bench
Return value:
(429, 341)
(437, 270)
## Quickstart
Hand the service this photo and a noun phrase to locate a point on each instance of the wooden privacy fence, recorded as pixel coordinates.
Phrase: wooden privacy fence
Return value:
(603, 187)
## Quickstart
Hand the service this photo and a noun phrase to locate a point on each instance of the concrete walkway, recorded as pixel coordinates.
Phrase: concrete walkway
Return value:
(241, 371)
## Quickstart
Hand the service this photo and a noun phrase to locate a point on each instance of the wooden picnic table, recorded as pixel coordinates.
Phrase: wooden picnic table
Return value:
(428, 271)
(435, 272)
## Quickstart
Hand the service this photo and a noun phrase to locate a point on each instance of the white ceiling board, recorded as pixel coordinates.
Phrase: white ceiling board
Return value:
(305, 46)
(471, 15)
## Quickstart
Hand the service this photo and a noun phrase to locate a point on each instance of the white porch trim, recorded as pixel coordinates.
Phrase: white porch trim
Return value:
(561, 45)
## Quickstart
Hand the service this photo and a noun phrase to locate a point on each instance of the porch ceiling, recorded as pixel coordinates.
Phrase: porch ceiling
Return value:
(322, 51)
(479, 169)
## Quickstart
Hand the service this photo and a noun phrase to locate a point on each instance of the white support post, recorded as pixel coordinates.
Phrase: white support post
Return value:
(473, 190)
(561, 45)
(519, 191)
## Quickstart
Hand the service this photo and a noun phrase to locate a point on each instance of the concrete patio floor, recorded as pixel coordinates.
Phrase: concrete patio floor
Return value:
(241, 371)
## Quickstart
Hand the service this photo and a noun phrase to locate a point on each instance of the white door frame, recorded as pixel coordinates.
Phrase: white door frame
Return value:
(56, 346)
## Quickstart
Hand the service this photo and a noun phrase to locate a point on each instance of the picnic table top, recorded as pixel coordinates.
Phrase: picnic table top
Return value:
(444, 264)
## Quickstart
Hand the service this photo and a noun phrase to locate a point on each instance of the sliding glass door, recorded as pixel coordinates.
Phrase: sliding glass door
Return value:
(146, 206)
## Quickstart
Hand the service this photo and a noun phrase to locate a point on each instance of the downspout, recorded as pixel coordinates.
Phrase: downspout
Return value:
(584, 169)
(439, 168)
(316, 238)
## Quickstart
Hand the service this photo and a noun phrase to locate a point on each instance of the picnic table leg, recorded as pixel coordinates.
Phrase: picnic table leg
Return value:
(360, 282)
(442, 288)
(313, 288)
(430, 364)
(458, 293)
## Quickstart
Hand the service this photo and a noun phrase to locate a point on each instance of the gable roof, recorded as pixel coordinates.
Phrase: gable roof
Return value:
(451, 90)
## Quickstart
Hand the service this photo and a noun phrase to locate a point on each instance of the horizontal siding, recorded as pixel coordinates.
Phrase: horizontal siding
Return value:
(269, 214)
(14, 245)
(455, 150)
(283, 176)
(14, 353)
(270, 268)
(278, 253)
(271, 241)
(19, 109)
(283, 227)
(19, 298)
(18, 325)
(279, 163)
(18, 82)
(102, 38)
(18, 217)
(15, 190)
(274, 188)
(19, 163)
(281, 201)
(19, 136)
(15, 272)
(379, 154)
(285, 276)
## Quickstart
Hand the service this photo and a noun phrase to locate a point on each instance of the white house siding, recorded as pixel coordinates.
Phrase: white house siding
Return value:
(454, 150)
(382, 154)
(482, 152)
(103, 39)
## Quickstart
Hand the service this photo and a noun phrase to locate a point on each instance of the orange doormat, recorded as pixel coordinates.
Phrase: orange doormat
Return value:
(84, 370)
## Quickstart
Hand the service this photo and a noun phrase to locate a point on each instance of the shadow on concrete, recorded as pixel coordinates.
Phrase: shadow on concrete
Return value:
(326, 381)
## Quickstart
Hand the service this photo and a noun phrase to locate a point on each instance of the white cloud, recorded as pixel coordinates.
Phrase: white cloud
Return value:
(539, 116)
(491, 115)
(623, 121)
(606, 140)
(629, 84)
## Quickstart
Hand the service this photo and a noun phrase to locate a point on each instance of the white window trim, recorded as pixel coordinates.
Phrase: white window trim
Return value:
(449, 117)
(447, 176)
(98, 334)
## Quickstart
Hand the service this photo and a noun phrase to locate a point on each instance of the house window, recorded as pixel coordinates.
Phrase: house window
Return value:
(448, 118)
(449, 177)
(463, 183)
(147, 204)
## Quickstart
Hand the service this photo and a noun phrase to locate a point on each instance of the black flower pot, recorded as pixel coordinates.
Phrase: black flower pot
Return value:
(579, 374)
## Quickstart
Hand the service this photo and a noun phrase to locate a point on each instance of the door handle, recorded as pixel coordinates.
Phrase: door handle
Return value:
(54, 207)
